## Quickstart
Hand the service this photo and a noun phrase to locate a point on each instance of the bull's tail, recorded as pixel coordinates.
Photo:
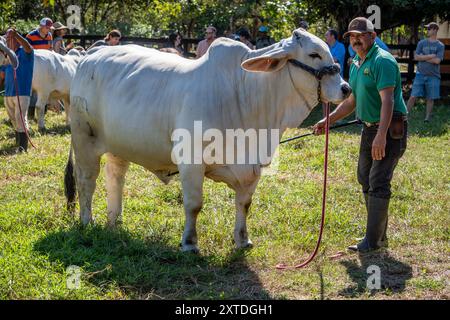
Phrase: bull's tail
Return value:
(70, 188)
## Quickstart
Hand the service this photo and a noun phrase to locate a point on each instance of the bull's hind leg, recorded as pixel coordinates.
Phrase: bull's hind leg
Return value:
(87, 171)
(115, 170)
(192, 177)
(87, 168)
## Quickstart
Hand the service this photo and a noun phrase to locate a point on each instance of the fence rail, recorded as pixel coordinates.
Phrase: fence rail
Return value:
(87, 40)
(409, 49)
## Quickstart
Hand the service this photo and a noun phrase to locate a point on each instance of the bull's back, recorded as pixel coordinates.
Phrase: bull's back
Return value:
(52, 72)
(129, 96)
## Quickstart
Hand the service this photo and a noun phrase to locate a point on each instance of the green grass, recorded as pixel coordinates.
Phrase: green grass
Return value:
(39, 240)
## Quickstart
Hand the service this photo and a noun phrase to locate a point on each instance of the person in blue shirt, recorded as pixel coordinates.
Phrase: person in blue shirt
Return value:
(429, 54)
(24, 72)
(337, 48)
(337, 51)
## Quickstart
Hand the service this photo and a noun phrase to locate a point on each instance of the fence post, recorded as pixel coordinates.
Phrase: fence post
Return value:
(411, 50)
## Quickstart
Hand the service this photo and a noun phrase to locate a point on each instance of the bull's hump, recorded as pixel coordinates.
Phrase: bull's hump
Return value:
(135, 56)
(227, 50)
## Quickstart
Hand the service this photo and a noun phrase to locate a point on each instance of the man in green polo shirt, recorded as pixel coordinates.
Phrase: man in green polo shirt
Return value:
(377, 98)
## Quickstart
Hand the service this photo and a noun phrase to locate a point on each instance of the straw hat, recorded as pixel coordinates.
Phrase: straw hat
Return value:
(59, 26)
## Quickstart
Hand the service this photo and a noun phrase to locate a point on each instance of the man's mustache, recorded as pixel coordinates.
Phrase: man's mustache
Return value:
(357, 44)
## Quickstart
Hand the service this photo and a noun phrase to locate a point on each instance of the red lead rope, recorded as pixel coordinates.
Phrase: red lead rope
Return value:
(20, 109)
(324, 198)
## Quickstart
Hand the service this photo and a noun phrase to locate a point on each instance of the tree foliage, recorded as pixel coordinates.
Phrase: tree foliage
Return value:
(153, 18)
(394, 13)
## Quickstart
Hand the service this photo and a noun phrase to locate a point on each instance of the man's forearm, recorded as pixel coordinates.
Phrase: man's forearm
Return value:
(24, 43)
(343, 110)
(423, 57)
(435, 60)
(387, 109)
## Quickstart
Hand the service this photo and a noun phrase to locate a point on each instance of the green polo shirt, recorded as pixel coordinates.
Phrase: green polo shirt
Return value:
(379, 71)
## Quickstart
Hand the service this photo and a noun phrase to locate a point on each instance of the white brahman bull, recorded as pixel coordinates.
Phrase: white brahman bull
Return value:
(128, 100)
(52, 76)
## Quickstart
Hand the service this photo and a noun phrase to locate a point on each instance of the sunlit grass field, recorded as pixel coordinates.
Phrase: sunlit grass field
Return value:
(39, 240)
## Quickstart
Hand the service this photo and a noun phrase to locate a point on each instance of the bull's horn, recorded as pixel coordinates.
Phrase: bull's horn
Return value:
(11, 55)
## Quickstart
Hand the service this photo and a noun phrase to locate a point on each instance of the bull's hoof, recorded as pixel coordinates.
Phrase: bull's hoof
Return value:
(245, 245)
(191, 248)
(42, 130)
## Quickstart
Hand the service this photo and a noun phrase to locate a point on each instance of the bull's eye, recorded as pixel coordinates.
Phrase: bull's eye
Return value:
(315, 56)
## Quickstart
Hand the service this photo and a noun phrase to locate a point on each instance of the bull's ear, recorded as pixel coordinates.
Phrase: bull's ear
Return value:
(298, 37)
(270, 62)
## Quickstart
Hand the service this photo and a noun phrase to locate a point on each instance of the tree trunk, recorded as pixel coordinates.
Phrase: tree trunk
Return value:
(189, 34)
(95, 12)
(415, 31)
(62, 11)
(106, 11)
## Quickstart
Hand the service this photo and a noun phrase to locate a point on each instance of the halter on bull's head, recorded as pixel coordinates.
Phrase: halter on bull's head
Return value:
(7, 56)
(310, 64)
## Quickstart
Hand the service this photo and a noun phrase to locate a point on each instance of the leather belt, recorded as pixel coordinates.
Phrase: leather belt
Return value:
(374, 124)
(371, 124)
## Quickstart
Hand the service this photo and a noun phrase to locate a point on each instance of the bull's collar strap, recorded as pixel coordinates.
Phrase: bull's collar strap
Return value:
(317, 73)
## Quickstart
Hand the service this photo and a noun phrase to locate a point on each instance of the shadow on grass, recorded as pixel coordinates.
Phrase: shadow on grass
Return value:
(11, 149)
(57, 129)
(393, 277)
(149, 268)
(6, 122)
(438, 126)
(8, 150)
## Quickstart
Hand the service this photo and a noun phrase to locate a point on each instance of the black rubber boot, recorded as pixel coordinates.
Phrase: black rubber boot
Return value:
(384, 239)
(377, 218)
(17, 138)
(23, 142)
(366, 202)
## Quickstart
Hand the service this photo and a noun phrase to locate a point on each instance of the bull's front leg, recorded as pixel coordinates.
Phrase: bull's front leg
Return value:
(243, 201)
(87, 171)
(115, 170)
(192, 177)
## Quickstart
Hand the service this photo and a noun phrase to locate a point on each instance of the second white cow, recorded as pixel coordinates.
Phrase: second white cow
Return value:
(52, 76)
(127, 102)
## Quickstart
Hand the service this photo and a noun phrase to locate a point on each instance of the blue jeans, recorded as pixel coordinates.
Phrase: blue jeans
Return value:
(375, 175)
(426, 86)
